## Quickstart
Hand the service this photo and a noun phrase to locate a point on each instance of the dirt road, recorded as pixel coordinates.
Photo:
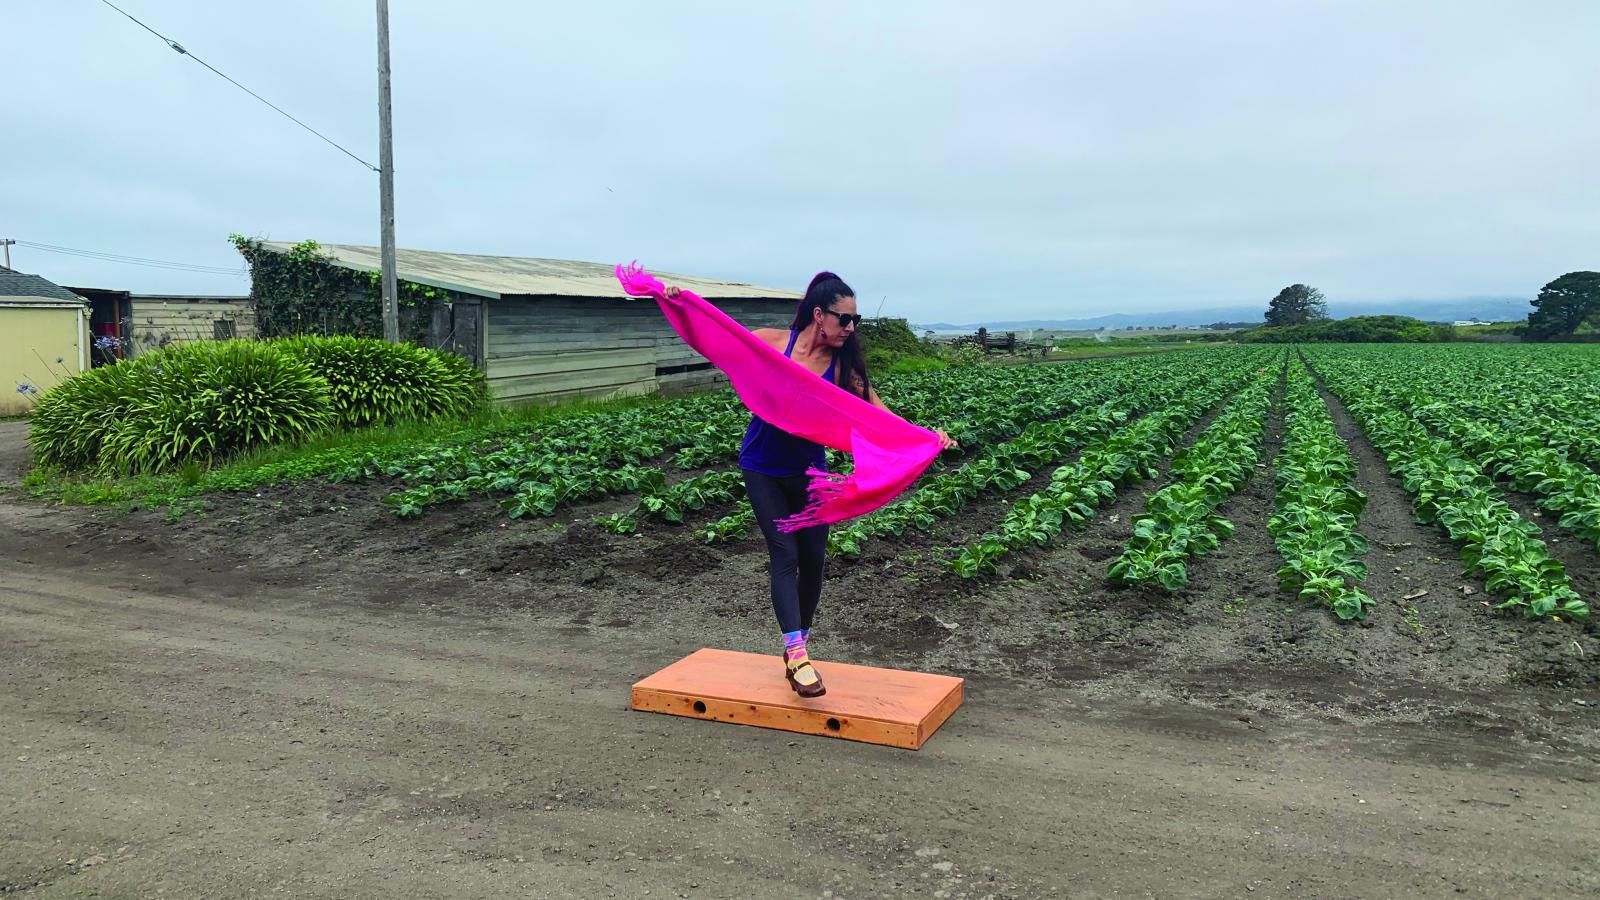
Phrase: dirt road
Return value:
(174, 726)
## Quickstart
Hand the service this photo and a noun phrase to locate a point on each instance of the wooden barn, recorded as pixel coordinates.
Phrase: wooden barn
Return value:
(143, 322)
(550, 329)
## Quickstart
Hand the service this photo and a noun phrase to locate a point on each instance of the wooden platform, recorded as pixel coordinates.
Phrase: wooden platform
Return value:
(878, 706)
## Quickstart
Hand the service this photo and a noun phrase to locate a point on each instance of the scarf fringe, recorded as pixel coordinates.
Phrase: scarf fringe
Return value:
(639, 283)
(824, 493)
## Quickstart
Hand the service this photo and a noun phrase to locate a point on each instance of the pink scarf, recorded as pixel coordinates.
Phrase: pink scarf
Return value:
(889, 452)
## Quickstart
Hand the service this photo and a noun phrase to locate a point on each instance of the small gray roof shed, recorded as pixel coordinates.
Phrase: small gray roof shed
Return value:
(15, 288)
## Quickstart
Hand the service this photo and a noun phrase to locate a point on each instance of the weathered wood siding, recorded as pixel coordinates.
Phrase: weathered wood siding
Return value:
(160, 321)
(551, 348)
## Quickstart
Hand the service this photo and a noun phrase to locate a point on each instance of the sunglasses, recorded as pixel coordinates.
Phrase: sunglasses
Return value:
(846, 319)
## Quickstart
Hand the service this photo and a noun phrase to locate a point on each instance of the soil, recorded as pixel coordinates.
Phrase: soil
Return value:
(291, 690)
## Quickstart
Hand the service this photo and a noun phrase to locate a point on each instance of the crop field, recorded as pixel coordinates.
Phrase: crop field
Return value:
(1371, 533)
(1497, 449)
(1278, 528)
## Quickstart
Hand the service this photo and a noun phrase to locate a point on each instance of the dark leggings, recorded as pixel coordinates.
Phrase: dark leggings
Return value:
(797, 557)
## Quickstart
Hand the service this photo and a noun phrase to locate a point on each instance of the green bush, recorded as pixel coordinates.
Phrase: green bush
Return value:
(72, 419)
(208, 400)
(377, 383)
(892, 348)
(460, 380)
(192, 401)
(895, 335)
(1354, 330)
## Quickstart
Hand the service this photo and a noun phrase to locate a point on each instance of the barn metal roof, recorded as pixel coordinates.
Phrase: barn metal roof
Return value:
(498, 276)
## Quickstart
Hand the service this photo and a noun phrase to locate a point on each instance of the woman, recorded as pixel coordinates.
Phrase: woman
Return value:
(823, 339)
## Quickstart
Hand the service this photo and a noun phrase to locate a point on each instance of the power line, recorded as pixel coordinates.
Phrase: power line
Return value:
(184, 51)
(131, 260)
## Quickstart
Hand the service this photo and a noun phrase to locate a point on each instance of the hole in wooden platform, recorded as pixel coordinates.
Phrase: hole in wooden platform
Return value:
(833, 724)
(699, 706)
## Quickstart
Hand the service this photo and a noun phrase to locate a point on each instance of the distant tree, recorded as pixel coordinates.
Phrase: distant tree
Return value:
(1297, 304)
(1563, 305)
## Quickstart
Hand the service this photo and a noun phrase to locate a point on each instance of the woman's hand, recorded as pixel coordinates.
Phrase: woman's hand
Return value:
(946, 442)
(672, 292)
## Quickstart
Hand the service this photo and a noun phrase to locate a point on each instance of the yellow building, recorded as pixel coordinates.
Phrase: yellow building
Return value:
(44, 339)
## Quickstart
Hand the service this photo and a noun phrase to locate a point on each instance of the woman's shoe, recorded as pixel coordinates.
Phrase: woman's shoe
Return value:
(803, 676)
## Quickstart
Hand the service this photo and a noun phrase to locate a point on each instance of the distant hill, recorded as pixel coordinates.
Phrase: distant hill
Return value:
(1496, 309)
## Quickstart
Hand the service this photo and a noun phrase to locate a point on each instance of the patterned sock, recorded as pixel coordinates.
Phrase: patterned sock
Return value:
(794, 650)
(805, 634)
(794, 642)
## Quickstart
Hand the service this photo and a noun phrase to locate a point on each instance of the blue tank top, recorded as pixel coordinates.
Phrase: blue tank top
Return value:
(772, 451)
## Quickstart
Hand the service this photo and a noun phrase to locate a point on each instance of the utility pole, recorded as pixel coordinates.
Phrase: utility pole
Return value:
(391, 307)
(6, 243)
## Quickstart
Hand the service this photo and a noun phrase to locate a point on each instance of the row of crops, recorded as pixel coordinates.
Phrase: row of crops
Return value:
(1317, 510)
(1045, 448)
(1461, 429)
(1125, 456)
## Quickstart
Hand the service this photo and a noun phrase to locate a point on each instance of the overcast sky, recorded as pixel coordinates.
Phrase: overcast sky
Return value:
(963, 160)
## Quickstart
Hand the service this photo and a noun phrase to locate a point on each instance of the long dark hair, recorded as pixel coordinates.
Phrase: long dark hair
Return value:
(850, 364)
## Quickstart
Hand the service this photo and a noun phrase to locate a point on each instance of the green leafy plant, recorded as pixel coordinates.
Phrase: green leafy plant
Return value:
(73, 419)
(1448, 486)
(733, 526)
(670, 503)
(1128, 454)
(1412, 617)
(1317, 507)
(1178, 523)
(199, 401)
(374, 382)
